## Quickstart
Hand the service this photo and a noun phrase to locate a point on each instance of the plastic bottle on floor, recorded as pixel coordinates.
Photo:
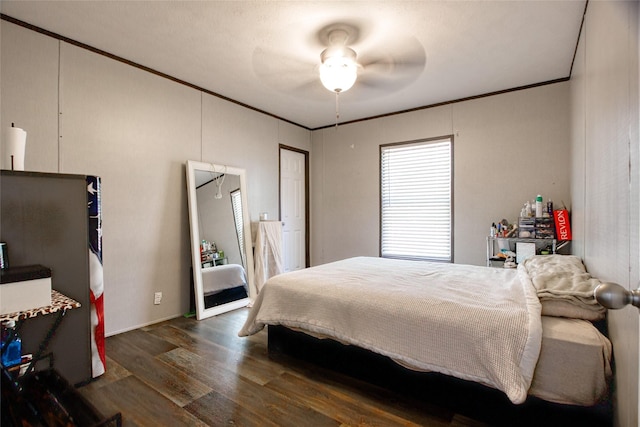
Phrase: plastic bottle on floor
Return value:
(11, 351)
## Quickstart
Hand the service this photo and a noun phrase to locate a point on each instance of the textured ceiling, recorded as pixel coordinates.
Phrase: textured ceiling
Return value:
(265, 54)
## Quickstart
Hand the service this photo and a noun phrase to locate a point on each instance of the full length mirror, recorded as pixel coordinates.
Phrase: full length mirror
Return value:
(221, 253)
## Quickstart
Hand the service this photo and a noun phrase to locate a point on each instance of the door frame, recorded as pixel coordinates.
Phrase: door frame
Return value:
(307, 255)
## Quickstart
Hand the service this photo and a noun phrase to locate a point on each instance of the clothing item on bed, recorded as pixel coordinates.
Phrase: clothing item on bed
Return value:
(564, 287)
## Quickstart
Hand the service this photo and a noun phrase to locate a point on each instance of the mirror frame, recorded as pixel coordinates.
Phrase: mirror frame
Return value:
(201, 311)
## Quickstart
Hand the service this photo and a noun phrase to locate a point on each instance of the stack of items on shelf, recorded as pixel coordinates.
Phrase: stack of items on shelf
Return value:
(540, 229)
(208, 253)
(536, 228)
(540, 221)
(536, 221)
(503, 229)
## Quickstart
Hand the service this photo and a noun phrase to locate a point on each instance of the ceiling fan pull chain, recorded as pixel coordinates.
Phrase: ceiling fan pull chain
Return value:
(337, 109)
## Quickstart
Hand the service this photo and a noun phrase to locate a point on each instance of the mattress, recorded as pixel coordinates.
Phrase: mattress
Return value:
(574, 366)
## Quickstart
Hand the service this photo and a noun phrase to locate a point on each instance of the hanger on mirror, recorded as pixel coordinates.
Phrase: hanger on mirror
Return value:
(218, 180)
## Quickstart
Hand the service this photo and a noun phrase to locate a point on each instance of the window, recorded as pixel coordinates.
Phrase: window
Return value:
(416, 184)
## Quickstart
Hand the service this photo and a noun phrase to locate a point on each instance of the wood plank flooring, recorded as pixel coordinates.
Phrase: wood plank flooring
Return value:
(199, 373)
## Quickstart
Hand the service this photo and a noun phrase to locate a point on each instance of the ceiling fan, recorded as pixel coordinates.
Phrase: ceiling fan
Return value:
(348, 54)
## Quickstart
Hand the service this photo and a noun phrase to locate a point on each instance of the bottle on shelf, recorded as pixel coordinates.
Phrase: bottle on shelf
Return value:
(539, 206)
(11, 348)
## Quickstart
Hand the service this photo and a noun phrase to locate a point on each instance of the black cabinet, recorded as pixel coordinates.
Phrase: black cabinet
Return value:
(44, 220)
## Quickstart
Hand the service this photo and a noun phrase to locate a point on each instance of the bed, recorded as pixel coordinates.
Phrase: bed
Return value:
(451, 319)
(222, 277)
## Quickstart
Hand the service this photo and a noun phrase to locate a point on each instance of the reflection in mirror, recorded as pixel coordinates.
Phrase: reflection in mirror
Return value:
(221, 254)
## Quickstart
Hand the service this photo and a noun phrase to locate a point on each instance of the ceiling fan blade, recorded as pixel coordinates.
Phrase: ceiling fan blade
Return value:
(309, 87)
(386, 82)
(407, 53)
(393, 67)
(390, 65)
(283, 72)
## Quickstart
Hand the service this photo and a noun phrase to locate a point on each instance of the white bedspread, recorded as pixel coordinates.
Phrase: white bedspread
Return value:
(476, 323)
(221, 277)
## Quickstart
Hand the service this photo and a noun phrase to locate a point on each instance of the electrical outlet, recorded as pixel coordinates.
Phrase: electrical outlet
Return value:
(157, 298)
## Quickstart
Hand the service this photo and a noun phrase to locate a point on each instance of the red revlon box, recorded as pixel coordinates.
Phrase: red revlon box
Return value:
(563, 227)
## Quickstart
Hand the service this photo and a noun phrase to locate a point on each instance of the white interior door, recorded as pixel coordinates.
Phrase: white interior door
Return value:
(293, 208)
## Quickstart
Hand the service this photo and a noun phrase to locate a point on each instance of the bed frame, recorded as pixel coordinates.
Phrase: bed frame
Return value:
(470, 399)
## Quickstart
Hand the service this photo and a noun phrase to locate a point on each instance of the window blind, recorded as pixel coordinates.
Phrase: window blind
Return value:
(236, 203)
(416, 200)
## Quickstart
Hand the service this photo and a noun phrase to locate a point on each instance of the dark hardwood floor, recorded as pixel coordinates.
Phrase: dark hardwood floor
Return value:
(198, 373)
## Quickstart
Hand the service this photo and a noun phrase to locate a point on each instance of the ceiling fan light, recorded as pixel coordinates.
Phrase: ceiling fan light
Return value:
(339, 70)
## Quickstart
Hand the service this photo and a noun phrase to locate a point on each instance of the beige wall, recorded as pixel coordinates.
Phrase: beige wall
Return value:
(31, 58)
(88, 114)
(507, 149)
(606, 174)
